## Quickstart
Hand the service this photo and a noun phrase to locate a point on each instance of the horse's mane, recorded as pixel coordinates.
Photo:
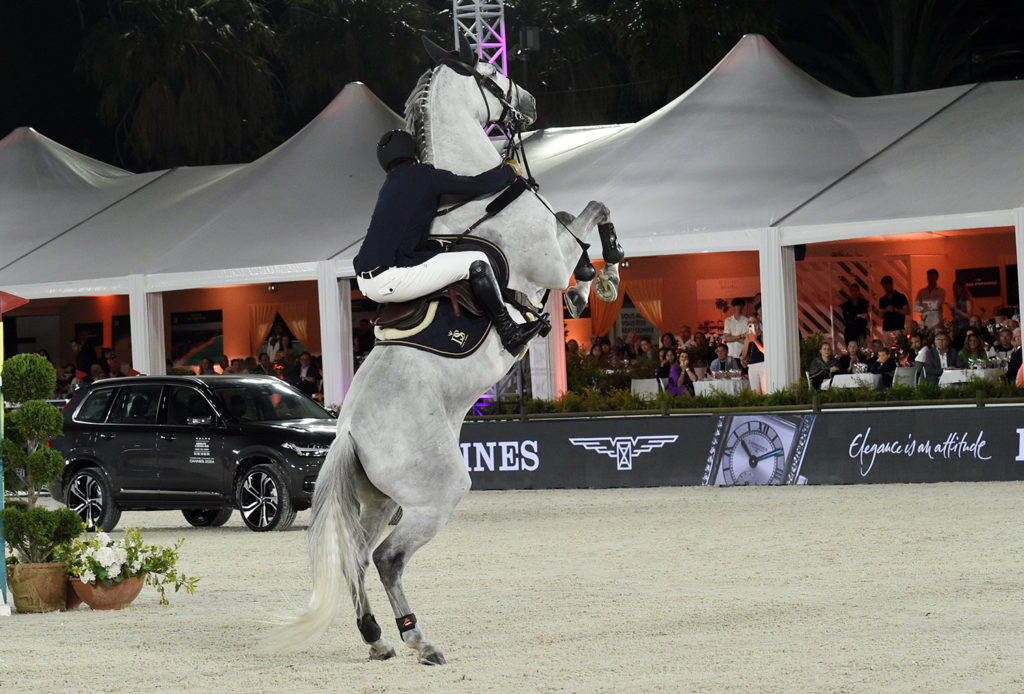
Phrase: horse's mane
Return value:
(417, 115)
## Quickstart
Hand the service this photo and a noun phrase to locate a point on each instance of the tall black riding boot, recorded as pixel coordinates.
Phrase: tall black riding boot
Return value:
(514, 336)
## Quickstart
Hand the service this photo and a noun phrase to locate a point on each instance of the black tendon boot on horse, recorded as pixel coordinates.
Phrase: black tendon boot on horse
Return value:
(514, 336)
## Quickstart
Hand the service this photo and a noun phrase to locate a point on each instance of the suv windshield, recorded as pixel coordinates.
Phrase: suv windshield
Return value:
(265, 402)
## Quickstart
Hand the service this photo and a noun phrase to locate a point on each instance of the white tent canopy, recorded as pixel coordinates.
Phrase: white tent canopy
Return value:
(756, 156)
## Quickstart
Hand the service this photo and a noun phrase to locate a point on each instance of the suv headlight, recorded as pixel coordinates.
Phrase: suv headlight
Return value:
(307, 450)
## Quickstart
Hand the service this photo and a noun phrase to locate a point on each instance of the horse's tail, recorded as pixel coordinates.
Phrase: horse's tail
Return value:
(335, 543)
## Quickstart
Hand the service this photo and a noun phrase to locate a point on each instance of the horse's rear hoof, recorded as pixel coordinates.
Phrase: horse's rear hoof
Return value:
(433, 658)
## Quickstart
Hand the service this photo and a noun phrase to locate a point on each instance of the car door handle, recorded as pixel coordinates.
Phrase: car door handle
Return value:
(106, 436)
(166, 437)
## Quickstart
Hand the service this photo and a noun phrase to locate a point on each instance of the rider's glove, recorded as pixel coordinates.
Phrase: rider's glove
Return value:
(515, 166)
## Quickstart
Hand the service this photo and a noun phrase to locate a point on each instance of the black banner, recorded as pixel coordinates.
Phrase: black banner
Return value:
(928, 444)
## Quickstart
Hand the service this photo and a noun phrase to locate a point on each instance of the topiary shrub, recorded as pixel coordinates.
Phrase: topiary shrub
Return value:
(28, 377)
(35, 533)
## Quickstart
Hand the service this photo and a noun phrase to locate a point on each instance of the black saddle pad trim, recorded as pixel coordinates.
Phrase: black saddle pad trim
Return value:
(447, 335)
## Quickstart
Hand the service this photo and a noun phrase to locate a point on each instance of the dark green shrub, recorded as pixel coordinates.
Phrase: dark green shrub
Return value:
(34, 533)
(28, 377)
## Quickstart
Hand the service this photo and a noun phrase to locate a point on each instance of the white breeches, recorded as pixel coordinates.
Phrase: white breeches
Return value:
(406, 283)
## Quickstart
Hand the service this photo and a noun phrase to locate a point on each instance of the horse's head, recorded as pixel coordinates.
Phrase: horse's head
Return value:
(502, 101)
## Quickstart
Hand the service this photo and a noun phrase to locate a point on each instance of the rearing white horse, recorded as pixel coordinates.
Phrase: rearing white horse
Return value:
(398, 430)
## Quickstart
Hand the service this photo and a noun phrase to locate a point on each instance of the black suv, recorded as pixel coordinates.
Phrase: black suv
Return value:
(202, 444)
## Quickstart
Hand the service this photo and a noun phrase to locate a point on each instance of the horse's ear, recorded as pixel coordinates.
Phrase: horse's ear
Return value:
(467, 56)
(463, 62)
(436, 53)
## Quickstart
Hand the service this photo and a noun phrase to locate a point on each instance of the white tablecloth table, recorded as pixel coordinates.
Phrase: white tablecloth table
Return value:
(864, 380)
(952, 377)
(723, 386)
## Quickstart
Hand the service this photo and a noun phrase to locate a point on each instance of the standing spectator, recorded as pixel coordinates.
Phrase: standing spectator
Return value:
(961, 309)
(929, 301)
(753, 357)
(941, 357)
(855, 315)
(894, 307)
(734, 331)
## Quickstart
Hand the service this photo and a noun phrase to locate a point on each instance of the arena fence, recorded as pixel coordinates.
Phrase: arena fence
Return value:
(840, 443)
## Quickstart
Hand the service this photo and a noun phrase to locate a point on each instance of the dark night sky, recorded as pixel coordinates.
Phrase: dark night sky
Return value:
(40, 38)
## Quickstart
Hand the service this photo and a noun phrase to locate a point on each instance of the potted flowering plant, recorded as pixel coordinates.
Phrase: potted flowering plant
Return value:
(99, 565)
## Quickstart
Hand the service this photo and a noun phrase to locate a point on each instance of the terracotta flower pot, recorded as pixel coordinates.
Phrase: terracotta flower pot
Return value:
(116, 597)
(38, 587)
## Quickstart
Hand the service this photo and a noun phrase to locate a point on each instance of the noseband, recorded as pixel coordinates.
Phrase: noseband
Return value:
(509, 114)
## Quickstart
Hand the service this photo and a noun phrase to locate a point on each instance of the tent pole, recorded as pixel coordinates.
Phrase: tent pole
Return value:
(1018, 238)
(778, 307)
(547, 355)
(335, 303)
(146, 310)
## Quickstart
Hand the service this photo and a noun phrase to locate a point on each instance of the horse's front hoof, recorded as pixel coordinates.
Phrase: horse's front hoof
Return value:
(384, 652)
(433, 658)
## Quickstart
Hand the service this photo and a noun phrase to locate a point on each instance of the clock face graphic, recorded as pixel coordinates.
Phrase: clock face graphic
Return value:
(758, 449)
(754, 453)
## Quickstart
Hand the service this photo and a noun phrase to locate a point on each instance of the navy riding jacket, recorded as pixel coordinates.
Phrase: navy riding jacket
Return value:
(405, 210)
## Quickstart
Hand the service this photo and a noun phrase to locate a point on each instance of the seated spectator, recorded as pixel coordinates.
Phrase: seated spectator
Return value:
(681, 377)
(668, 340)
(572, 347)
(823, 367)
(1003, 348)
(206, 367)
(666, 358)
(917, 351)
(97, 372)
(885, 366)
(974, 353)
(306, 376)
(723, 362)
(848, 362)
(647, 352)
(941, 356)
(597, 354)
(685, 338)
(235, 367)
(264, 365)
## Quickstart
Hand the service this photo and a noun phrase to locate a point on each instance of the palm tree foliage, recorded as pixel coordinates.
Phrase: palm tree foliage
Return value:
(894, 46)
(185, 81)
(324, 44)
(219, 81)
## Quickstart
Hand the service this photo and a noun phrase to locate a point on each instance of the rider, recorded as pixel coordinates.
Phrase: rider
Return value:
(394, 264)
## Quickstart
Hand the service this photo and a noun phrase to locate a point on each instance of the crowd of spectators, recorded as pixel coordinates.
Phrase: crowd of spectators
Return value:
(946, 335)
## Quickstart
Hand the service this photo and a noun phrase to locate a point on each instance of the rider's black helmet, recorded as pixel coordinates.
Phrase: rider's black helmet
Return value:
(395, 147)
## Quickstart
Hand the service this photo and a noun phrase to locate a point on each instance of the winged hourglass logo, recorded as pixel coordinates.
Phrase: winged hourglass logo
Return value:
(623, 448)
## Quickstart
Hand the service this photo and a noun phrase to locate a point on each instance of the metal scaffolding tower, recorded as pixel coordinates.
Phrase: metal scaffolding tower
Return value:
(482, 24)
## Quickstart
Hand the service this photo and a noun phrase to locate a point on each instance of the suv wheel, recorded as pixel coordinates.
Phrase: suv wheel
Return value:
(88, 494)
(207, 517)
(263, 499)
